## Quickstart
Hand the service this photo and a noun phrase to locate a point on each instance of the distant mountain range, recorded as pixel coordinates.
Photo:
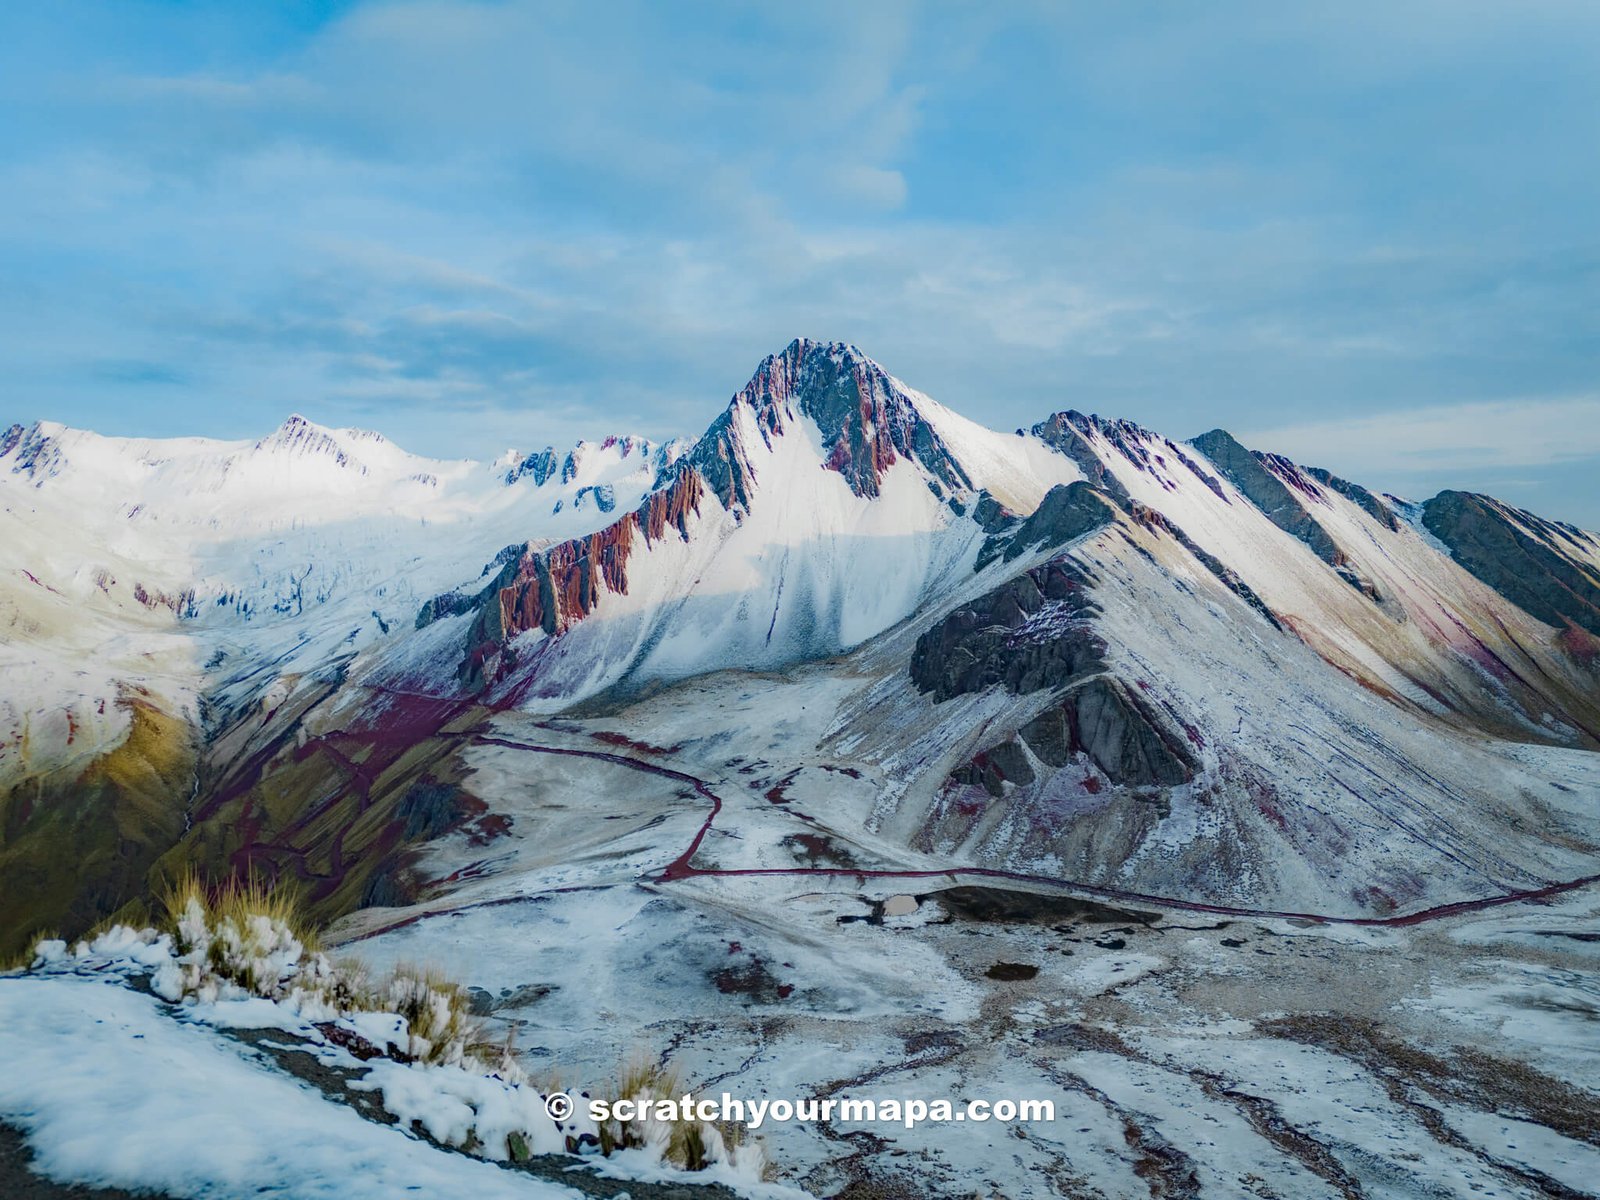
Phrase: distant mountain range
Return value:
(1082, 650)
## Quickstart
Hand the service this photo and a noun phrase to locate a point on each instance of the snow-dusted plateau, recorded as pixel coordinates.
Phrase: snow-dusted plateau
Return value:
(1248, 815)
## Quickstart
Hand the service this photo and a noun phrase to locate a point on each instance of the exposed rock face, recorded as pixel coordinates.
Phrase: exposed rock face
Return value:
(603, 495)
(1530, 561)
(554, 588)
(991, 515)
(1064, 431)
(429, 808)
(1070, 432)
(1035, 632)
(867, 421)
(1271, 481)
(300, 436)
(721, 460)
(1117, 731)
(1376, 508)
(866, 418)
(32, 452)
(1065, 514)
(1099, 719)
(538, 466)
(1267, 491)
(1029, 633)
(995, 767)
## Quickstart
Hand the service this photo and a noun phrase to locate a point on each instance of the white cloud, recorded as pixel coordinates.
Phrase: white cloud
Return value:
(1465, 437)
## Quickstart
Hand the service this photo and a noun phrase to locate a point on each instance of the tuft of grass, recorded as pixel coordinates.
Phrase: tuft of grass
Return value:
(500, 1059)
(643, 1075)
(22, 959)
(245, 937)
(239, 902)
(436, 1012)
(256, 937)
(690, 1144)
(350, 988)
(247, 934)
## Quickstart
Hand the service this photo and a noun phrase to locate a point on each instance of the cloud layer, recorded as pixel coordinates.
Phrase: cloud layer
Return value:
(474, 225)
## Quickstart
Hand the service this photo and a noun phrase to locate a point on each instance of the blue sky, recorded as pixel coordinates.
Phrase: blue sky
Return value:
(1367, 235)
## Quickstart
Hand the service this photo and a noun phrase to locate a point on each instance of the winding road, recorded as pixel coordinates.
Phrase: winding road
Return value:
(682, 867)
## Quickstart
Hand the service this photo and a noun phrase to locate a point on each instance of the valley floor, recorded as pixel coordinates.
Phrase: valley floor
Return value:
(753, 931)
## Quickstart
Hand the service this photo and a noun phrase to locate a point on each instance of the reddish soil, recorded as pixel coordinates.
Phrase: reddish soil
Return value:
(682, 867)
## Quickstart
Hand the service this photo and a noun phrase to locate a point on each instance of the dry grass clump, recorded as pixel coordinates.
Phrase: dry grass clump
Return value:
(246, 939)
(435, 1010)
(245, 934)
(681, 1140)
(24, 958)
(253, 938)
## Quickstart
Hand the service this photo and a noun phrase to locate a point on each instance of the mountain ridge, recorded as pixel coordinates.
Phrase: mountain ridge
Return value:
(357, 603)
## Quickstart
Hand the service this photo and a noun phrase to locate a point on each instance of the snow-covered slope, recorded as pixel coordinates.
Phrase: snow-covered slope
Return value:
(1085, 649)
(153, 594)
(193, 566)
(827, 503)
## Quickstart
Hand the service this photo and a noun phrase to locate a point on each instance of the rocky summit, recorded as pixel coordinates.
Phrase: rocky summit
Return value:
(714, 742)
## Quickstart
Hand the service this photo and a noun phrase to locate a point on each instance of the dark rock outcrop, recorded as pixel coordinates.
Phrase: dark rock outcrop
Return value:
(995, 767)
(429, 808)
(447, 604)
(1066, 513)
(1065, 433)
(1375, 508)
(992, 516)
(538, 466)
(1524, 557)
(1035, 632)
(1118, 732)
(1029, 633)
(1267, 491)
(603, 495)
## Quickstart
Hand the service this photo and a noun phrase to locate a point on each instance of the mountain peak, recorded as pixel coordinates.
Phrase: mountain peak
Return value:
(867, 421)
(302, 437)
(35, 449)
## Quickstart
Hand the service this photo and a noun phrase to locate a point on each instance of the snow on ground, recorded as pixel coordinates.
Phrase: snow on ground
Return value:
(1193, 1056)
(427, 1071)
(187, 565)
(111, 1091)
(1164, 1047)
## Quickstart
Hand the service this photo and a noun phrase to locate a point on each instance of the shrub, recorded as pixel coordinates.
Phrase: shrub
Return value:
(436, 1015)
(245, 940)
(682, 1141)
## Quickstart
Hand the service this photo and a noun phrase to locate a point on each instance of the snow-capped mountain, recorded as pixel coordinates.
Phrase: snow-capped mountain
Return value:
(1083, 651)
(296, 550)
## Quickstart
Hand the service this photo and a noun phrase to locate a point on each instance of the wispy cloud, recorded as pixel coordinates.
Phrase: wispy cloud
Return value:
(467, 223)
(1465, 437)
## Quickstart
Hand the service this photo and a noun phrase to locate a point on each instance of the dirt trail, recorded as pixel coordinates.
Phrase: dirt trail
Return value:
(682, 867)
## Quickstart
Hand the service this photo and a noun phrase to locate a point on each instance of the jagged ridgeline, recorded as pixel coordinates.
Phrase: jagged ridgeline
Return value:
(1083, 649)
